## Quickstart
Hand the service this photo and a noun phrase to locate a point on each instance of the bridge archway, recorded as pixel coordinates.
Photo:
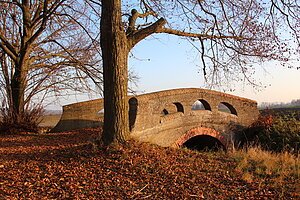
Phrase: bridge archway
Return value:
(201, 104)
(164, 112)
(201, 138)
(227, 107)
(179, 107)
(204, 143)
(133, 105)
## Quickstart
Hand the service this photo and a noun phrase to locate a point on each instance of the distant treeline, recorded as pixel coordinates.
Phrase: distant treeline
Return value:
(293, 104)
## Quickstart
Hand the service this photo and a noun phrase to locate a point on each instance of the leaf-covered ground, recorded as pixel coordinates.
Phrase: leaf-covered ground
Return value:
(67, 166)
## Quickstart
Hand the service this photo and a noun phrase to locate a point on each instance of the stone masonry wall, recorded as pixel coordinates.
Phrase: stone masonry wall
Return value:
(152, 125)
(166, 116)
(80, 115)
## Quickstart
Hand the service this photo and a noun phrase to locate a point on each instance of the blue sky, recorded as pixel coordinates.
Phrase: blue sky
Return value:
(167, 62)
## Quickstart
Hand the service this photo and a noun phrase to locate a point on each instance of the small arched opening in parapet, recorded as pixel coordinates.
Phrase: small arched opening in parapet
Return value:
(133, 106)
(201, 104)
(164, 112)
(204, 143)
(227, 108)
(179, 107)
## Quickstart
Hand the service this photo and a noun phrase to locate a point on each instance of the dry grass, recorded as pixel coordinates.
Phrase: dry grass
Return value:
(270, 168)
(50, 120)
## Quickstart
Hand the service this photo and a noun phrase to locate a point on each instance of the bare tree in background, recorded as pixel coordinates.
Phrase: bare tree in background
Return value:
(231, 35)
(47, 48)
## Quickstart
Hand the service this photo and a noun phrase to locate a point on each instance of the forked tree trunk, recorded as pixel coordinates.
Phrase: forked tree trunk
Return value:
(18, 86)
(115, 55)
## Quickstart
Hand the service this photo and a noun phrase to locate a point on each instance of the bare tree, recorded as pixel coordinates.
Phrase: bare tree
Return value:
(46, 48)
(231, 35)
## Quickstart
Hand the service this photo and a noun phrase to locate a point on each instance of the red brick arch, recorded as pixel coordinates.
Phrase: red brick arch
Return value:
(199, 131)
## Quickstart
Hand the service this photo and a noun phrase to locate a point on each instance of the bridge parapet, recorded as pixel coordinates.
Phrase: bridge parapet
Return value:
(154, 106)
(163, 117)
(80, 115)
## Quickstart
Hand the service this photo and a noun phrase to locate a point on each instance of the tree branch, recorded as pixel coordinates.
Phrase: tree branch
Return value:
(8, 48)
(132, 19)
(47, 13)
(202, 56)
(15, 2)
(198, 35)
(139, 35)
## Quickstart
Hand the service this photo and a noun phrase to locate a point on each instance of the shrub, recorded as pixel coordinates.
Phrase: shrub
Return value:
(28, 121)
(274, 132)
(282, 135)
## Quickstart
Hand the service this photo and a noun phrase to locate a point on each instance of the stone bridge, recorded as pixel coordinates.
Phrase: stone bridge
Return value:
(179, 117)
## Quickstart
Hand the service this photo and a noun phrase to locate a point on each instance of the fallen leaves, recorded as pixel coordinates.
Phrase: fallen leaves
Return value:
(66, 166)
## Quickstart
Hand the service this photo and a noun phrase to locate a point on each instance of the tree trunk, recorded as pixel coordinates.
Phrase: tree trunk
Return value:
(115, 71)
(18, 86)
(19, 79)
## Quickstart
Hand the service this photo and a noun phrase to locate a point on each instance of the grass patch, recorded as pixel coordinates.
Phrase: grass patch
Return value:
(274, 169)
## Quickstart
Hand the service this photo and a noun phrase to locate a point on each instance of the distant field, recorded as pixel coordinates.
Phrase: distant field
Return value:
(292, 112)
(50, 120)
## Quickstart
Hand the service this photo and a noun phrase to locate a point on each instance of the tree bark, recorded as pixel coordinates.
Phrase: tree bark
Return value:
(19, 79)
(18, 93)
(115, 71)
(18, 86)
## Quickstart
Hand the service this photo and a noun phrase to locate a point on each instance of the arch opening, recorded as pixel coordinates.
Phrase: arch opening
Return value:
(179, 107)
(133, 104)
(227, 108)
(164, 112)
(201, 104)
(172, 108)
(203, 143)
